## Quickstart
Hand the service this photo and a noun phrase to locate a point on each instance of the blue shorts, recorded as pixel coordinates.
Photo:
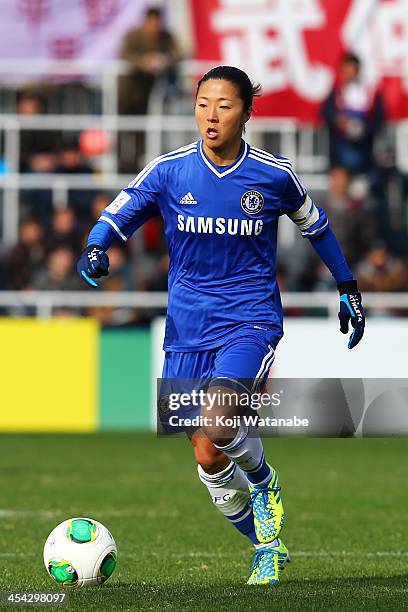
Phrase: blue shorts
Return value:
(241, 364)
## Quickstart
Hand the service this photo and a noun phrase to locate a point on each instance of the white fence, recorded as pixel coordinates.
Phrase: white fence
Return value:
(155, 127)
(305, 147)
(43, 302)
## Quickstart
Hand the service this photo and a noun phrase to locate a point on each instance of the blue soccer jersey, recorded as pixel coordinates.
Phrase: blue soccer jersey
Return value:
(221, 228)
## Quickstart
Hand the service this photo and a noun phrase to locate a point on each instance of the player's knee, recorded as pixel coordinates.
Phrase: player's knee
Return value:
(219, 435)
(210, 458)
(220, 415)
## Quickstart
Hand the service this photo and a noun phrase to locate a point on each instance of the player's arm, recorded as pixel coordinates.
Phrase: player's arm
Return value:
(128, 211)
(351, 309)
(314, 225)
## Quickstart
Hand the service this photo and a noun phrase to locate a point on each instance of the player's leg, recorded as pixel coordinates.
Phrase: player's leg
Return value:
(228, 488)
(214, 472)
(225, 481)
(247, 358)
(226, 484)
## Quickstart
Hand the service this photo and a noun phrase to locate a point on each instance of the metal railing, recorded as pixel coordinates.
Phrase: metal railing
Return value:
(300, 145)
(43, 302)
(297, 145)
(59, 184)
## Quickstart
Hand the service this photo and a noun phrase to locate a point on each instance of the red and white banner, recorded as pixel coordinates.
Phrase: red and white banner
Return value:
(293, 47)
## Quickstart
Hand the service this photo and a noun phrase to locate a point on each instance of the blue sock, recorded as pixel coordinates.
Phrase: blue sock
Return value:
(244, 522)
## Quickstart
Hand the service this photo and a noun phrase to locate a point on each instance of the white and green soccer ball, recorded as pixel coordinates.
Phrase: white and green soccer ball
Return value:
(80, 552)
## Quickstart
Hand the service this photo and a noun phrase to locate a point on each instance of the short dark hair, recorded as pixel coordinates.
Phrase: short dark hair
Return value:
(351, 58)
(246, 88)
(153, 11)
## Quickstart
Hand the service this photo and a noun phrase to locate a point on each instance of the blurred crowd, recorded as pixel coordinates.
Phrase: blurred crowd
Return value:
(45, 256)
(367, 199)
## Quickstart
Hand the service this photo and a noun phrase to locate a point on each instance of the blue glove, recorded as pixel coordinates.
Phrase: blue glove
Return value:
(93, 263)
(352, 310)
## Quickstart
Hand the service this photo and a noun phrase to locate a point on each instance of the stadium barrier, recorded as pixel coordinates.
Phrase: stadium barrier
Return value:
(156, 126)
(43, 302)
(164, 131)
(66, 374)
(330, 390)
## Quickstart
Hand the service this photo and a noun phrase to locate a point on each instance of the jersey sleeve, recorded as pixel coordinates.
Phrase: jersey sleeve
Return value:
(299, 206)
(134, 205)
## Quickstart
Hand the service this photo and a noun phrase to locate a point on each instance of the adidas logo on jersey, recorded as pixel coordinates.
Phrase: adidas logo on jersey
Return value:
(188, 199)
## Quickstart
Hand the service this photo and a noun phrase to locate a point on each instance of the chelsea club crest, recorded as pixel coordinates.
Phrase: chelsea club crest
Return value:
(252, 202)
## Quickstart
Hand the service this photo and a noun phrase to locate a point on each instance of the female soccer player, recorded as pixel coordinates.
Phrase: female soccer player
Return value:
(221, 199)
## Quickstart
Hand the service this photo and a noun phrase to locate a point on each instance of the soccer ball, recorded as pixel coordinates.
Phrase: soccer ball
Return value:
(80, 552)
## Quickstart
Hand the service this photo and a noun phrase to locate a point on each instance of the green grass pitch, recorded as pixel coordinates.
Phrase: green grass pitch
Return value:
(345, 500)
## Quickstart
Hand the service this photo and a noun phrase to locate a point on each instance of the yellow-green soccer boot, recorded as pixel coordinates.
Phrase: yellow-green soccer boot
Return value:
(268, 563)
(269, 515)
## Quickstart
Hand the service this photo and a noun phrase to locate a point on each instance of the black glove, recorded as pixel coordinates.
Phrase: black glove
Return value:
(93, 263)
(352, 310)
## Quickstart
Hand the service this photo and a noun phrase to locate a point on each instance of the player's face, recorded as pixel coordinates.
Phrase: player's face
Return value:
(220, 116)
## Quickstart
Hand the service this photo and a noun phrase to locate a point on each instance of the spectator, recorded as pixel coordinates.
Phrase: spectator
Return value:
(64, 230)
(349, 215)
(151, 53)
(27, 257)
(354, 116)
(71, 161)
(99, 202)
(29, 103)
(119, 280)
(389, 193)
(37, 151)
(150, 259)
(37, 156)
(158, 279)
(381, 271)
(59, 272)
